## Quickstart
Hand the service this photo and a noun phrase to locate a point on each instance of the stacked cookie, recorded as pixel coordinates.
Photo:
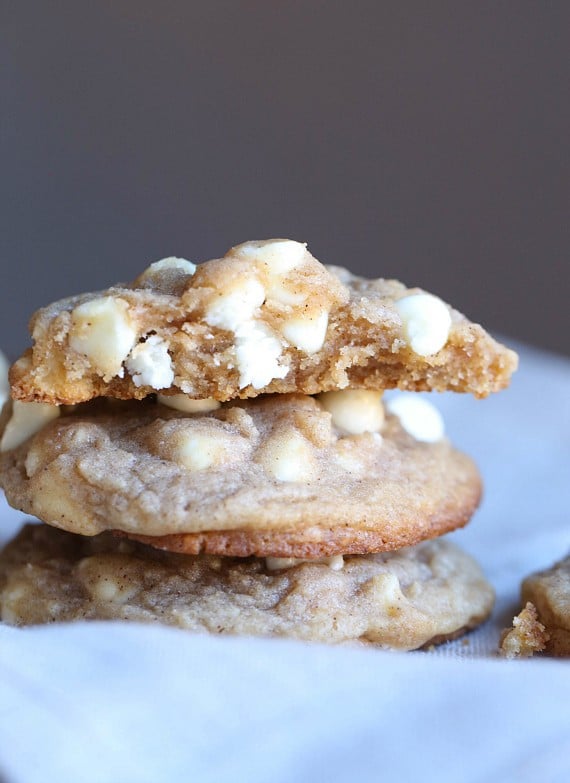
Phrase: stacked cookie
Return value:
(209, 448)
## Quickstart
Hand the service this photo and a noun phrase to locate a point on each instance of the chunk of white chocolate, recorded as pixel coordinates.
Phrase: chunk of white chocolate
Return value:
(307, 333)
(281, 291)
(426, 322)
(4, 385)
(257, 349)
(258, 353)
(100, 581)
(181, 402)
(199, 451)
(27, 419)
(387, 590)
(103, 331)
(418, 417)
(236, 307)
(166, 264)
(335, 563)
(354, 411)
(288, 456)
(149, 363)
(280, 255)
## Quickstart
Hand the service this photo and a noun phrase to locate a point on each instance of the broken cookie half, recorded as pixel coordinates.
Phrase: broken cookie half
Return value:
(265, 318)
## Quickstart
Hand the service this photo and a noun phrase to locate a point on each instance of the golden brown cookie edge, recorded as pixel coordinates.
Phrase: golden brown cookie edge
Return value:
(317, 541)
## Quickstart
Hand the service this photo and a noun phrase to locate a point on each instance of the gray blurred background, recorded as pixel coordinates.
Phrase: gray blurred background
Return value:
(424, 141)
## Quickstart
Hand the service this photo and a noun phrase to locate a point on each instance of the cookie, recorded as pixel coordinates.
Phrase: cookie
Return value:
(280, 475)
(265, 318)
(402, 600)
(549, 591)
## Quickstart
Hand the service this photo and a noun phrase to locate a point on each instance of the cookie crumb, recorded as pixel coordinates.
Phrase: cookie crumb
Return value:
(527, 636)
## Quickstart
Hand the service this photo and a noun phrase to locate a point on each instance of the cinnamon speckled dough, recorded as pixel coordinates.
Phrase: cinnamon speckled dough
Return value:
(302, 328)
(549, 591)
(270, 476)
(400, 600)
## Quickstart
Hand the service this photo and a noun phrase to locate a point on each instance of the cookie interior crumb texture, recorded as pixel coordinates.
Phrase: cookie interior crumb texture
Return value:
(268, 317)
(526, 637)
(402, 600)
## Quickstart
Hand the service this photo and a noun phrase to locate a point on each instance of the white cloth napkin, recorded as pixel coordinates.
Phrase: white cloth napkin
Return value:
(115, 702)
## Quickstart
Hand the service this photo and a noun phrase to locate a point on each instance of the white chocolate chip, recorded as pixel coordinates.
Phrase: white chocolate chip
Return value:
(335, 563)
(4, 385)
(387, 592)
(199, 451)
(149, 363)
(354, 411)
(166, 264)
(108, 590)
(103, 587)
(418, 417)
(280, 255)
(180, 402)
(233, 309)
(426, 322)
(103, 331)
(288, 456)
(257, 354)
(307, 333)
(257, 350)
(33, 462)
(279, 291)
(27, 419)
